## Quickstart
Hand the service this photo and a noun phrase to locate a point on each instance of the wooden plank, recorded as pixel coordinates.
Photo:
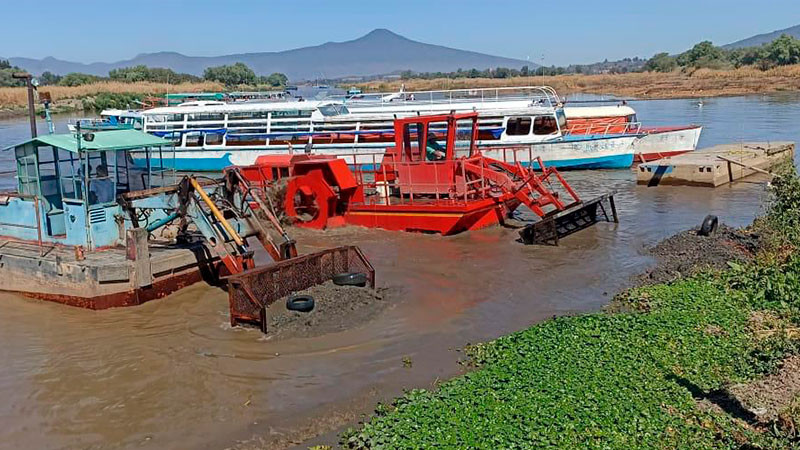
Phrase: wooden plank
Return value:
(139, 253)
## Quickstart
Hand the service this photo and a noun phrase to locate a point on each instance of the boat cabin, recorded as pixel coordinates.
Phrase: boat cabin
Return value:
(68, 184)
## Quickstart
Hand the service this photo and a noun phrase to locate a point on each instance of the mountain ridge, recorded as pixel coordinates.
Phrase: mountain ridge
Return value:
(378, 52)
(764, 38)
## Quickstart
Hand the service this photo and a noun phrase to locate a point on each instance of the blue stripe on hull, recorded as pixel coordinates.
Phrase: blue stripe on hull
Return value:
(191, 164)
(600, 162)
(217, 164)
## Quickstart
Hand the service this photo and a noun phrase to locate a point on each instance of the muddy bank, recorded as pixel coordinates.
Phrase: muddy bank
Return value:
(687, 253)
(336, 308)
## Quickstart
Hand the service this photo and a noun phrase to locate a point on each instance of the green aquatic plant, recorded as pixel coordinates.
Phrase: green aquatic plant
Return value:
(654, 376)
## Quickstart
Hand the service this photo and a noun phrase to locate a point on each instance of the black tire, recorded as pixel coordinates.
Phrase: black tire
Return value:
(709, 226)
(350, 279)
(301, 303)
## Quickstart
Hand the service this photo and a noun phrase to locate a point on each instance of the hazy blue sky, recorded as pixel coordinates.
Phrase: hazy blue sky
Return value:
(574, 31)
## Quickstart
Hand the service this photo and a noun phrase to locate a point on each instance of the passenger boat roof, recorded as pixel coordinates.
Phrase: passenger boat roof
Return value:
(219, 107)
(586, 112)
(102, 141)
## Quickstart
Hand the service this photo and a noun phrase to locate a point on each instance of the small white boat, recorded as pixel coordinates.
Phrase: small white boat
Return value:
(655, 141)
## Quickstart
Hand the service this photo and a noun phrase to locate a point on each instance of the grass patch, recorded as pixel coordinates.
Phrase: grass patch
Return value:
(625, 380)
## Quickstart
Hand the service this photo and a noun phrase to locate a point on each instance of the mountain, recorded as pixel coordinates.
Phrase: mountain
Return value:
(378, 52)
(760, 39)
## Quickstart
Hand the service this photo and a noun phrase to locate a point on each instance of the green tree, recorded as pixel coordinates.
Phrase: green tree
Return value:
(704, 54)
(661, 62)
(78, 79)
(129, 74)
(277, 79)
(784, 50)
(4, 64)
(49, 78)
(231, 75)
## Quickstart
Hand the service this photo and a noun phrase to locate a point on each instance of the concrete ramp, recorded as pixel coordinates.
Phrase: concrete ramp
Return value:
(715, 166)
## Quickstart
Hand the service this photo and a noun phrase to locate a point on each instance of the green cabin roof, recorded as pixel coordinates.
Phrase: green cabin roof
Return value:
(103, 141)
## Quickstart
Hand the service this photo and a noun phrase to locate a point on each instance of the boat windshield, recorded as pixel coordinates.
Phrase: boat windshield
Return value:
(333, 110)
(562, 119)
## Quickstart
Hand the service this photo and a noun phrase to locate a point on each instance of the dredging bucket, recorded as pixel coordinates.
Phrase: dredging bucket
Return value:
(573, 218)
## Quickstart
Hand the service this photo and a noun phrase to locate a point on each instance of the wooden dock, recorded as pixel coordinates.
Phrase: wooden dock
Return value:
(715, 166)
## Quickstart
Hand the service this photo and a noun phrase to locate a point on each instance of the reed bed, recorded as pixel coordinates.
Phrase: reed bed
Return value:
(17, 97)
(678, 84)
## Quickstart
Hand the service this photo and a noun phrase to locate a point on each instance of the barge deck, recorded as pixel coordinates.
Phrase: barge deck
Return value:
(101, 279)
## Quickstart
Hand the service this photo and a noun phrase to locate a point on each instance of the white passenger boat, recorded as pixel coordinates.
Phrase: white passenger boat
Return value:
(609, 120)
(211, 135)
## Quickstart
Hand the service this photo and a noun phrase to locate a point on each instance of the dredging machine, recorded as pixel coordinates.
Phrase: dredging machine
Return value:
(95, 222)
(433, 180)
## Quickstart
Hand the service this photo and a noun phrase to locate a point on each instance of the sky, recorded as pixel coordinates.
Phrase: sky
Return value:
(552, 32)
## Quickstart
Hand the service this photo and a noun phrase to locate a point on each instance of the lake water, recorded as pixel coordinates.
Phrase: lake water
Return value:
(172, 374)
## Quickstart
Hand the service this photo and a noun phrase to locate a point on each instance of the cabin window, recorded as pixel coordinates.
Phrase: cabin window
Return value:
(545, 125)
(175, 118)
(518, 126)
(26, 170)
(194, 140)
(207, 117)
(436, 141)
(631, 118)
(412, 132)
(102, 176)
(463, 141)
(213, 139)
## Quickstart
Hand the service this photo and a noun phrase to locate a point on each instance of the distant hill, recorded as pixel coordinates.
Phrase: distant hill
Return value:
(760, 39)
(378, 52)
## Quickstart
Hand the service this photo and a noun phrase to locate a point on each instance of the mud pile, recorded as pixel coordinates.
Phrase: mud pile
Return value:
(337, 308)
(687, 253)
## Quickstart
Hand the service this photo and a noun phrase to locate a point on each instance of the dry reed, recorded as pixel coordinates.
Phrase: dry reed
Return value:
(697, 83)
(16, 97)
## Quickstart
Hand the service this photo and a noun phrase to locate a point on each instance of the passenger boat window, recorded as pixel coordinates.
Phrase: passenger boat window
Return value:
(545, 125)
(194, 140)
(213, 139)
(518, 126)
(207, 116)
(631, 118)
(173, 118)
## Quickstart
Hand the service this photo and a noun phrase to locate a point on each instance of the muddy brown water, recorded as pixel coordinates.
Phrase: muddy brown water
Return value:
(173, 374)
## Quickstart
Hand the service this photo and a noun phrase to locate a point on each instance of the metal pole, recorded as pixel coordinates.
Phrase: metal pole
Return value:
(31, 111)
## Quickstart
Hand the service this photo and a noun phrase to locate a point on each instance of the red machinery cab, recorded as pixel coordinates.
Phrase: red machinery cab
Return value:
(423, 160)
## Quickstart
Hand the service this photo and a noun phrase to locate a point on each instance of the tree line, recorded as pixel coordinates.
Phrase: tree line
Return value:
(230, 75)
(784, 50)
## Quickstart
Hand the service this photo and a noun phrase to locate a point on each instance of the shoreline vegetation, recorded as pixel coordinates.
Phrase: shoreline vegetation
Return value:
(706, 360)
(696, 83)
(640, 85)
(90, 97)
